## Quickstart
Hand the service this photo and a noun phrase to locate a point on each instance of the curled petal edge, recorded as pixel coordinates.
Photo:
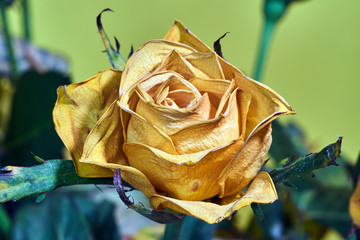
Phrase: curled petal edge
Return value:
(261, 190)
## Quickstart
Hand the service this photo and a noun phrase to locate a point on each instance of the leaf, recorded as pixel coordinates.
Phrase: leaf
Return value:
(66, 216)
(306, 164)
(19, 182)
(329, 206)
(287, 141)
(116, 59)
(257, 211)
(31, 128)
(157, 216)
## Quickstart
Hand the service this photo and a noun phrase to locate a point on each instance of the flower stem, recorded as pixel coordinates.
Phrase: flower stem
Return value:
(173, 230)
(263, 50)
(26, 22)
(8, 41)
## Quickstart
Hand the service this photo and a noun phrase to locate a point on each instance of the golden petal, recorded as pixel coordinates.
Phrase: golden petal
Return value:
(261, 190)
(179, 33)
(171, 120)
(141, 131)
(147, 58)
(245, 163)
(207, 63)
(104, 142)
(129, 174)
(177, 63)
(266, 105)
(188, 176)
(215, 88)
(78, 108)
(209, 134)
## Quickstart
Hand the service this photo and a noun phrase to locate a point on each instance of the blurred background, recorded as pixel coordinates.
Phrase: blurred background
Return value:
(313, 60)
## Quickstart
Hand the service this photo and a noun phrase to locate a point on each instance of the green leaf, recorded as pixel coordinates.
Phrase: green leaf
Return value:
(31, 128)
(308, 163)
(288, 140)
(329, 206)
(19, 182)
(116, 59)
(257, 211)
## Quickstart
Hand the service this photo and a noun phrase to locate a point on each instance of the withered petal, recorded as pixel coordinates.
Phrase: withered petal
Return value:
(105, 141)
(147, 58)
(179, 33)
(207, 63)
(188, 176)
(246, 162)
(261, 190)
(78, 108)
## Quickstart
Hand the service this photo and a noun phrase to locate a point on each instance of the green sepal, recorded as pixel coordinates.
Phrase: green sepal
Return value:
(257, 211)
(19, 182)
(289, 185)
(116, 59)
(306, 164)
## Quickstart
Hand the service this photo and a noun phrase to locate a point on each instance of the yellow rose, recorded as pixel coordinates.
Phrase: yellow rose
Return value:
(188, 129)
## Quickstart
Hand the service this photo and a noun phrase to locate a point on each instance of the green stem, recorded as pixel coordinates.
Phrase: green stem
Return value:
(265, 41)
(26, 21)
(173, 230)
(8, 41)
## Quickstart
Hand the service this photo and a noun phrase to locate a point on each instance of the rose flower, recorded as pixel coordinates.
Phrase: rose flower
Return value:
(185, 127)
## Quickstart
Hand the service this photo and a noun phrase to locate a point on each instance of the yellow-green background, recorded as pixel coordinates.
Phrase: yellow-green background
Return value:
(314, 60)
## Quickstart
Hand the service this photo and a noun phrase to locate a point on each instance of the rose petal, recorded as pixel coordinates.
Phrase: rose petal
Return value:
(104, 142)
(215, 88)
(78, 108)
(169, 120)
(246, 163)
(261, 190)
(188, 176)
(207, 63)
(175, 62)
(209, 134)
(129, 174)
(266, 105)
(147, 58)
(179, 33)
(141, 131)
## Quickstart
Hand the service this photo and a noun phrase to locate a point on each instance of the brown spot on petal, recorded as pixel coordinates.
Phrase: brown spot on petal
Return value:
(195, 186)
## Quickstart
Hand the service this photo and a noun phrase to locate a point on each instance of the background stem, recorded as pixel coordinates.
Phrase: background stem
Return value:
(173, 230)
(263, 49)
(8, 40)
(26, 22)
